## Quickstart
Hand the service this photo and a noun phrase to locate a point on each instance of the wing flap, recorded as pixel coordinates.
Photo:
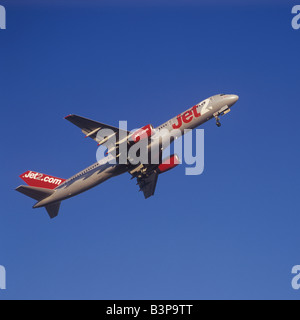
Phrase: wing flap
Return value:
(148, 184)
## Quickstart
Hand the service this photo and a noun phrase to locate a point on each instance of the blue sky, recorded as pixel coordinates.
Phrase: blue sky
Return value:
(231, 233)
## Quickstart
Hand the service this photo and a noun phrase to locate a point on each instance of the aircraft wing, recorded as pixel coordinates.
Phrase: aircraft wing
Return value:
(148, 184)
(91, 128)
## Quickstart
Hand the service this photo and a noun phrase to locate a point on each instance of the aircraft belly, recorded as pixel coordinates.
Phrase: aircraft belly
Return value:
(85, 183)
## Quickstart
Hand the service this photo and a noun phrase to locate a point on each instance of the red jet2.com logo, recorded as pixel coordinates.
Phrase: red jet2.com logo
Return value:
(40, 180)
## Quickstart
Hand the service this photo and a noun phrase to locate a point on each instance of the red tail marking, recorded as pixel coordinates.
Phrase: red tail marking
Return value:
(35, 179)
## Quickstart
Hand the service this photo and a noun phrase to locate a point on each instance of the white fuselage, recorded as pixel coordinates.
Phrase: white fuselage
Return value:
(104, 170)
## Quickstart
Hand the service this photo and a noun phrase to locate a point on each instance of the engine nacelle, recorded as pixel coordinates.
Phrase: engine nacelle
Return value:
(143, 133)
(169, 163)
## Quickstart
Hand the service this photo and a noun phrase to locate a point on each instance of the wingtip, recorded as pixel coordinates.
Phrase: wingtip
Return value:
(70, 115)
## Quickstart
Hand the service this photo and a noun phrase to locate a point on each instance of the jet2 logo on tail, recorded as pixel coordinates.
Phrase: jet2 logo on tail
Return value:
(39, 180)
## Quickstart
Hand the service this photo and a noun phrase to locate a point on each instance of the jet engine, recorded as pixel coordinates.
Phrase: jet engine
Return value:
(169, 163)
(143, 133)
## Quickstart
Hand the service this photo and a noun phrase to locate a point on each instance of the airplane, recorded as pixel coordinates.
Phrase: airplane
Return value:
(50, 191)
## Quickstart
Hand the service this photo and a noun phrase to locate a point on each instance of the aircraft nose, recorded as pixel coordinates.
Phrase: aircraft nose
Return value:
(233, 99)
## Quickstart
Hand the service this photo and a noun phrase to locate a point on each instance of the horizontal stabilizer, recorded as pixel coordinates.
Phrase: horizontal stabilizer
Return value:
(35, 193)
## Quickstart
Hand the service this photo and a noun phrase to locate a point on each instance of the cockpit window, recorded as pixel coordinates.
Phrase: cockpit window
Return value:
(223, 94)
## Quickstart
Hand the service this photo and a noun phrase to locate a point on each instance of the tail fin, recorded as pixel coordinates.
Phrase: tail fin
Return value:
(38, 194)
(39, 180)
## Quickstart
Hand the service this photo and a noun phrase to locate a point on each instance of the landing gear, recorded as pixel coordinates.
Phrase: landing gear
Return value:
(218, 123)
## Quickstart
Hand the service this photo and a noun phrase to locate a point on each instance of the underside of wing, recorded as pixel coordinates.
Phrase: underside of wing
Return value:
(98, 131)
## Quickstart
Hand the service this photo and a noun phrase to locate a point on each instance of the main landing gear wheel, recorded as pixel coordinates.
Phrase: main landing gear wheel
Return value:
(218, 121)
